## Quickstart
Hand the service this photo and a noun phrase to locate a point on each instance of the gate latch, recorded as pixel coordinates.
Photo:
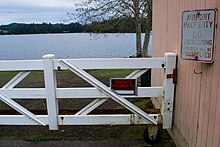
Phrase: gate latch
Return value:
(173, 76)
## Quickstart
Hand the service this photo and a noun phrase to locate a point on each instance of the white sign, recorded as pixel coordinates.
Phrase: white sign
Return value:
(198, 35)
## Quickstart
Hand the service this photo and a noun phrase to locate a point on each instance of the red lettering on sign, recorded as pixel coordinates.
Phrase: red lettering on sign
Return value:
(123, 84)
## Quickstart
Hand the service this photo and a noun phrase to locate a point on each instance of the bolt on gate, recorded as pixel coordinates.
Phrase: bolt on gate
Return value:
(100, 92)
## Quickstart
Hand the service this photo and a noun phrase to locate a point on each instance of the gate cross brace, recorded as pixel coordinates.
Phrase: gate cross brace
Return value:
(100, 86)
(20, 109)
(7, 100)
(15, 80)
(97, 102)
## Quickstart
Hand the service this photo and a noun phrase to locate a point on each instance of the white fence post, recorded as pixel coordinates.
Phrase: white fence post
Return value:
(50, 91)
(168, 99)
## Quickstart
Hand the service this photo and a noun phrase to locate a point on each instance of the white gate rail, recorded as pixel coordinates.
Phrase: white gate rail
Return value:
(99, 92)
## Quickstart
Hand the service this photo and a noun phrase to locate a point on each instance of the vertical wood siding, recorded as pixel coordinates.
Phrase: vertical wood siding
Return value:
(197, 102)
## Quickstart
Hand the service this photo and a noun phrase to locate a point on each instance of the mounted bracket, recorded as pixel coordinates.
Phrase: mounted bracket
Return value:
(173, 76)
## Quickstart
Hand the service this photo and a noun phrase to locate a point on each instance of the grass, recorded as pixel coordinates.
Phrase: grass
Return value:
(8, 138)
(141, 103)
(133, 133)
(36, 78)
(110, 72)
(40, 138)
(144, 103)
(93, 138)
(5, 76)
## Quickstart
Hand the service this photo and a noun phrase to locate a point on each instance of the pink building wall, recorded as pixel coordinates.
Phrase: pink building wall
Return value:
(196, 121)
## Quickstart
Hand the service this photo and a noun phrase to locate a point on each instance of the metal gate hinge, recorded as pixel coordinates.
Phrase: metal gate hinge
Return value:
(173, 76)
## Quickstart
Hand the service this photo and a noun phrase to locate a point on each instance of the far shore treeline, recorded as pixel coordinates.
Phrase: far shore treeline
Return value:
(125, 26)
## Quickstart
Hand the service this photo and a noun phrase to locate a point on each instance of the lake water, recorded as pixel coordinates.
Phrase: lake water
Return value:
(77, 45)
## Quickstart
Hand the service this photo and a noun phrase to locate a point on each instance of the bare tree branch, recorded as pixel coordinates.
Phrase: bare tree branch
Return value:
(138, 11)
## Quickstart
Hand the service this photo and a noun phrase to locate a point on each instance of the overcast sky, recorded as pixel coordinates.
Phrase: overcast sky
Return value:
(37, 11)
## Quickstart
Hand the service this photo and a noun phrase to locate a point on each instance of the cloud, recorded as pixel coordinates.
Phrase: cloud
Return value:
(37, 3)
(34, 10)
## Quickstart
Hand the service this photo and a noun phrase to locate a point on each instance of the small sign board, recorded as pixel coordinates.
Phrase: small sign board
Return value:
(198, 35)
(124, 86)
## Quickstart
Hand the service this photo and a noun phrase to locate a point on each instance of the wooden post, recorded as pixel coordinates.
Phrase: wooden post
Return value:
(168, 99)
(50, 86)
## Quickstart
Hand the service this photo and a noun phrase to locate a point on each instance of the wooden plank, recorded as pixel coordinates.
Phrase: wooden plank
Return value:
(190, 114)
(50, 91)
(216, 135)
(208, 99)
(159, 41)
(170, 27)
(190, 117)
(184, 92)
(200, 141)
(196, 103)
(201, 107)
(186, 86)
(177, 137)
(21, 65)
(159, 27)
(213, 91)
(180, 81)
(183, 81)
(217, 55)
(186, 106)
(96, 63)
(169, 91)
(200, 5)
(190, 103)
(113, 63)
(216, 131)
(213, 103)
(126, 119)
(178, 98)
(86, 92)
(190, 98)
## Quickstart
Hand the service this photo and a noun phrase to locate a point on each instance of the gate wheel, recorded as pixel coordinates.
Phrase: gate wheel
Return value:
(152, 134)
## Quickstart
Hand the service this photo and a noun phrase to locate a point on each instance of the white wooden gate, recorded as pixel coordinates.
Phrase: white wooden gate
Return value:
(100, 92)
